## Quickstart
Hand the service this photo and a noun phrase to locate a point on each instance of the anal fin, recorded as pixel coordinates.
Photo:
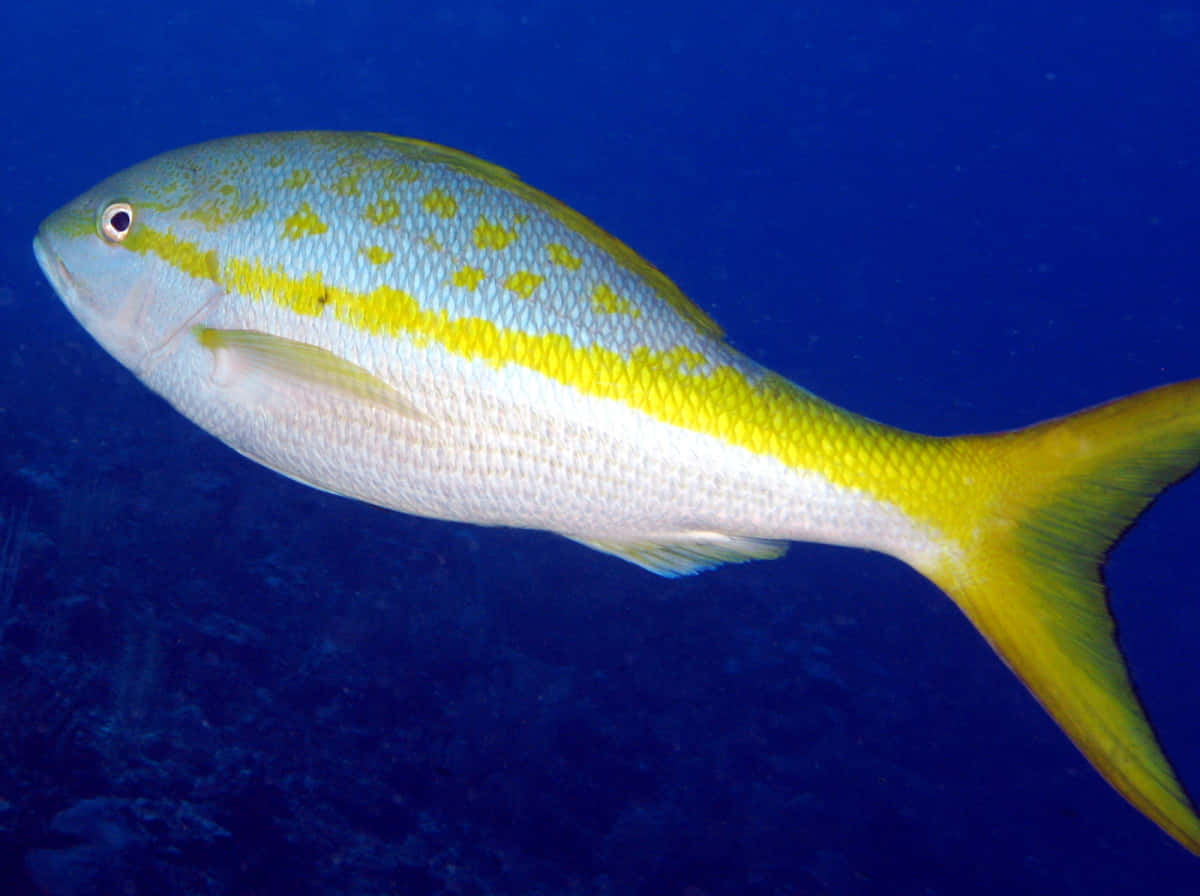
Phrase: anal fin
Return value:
(688, 553)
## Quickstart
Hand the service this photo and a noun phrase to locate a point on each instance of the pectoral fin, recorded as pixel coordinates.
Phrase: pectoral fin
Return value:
(287, 364)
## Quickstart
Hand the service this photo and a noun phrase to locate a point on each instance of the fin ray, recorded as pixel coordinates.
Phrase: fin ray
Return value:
(1031, 578)
(285, 361)
(690, 553)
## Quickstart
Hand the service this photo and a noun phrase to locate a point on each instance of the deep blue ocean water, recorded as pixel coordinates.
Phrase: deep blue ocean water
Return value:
(951, 217)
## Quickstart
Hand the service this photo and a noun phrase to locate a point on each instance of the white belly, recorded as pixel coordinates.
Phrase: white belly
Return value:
(512, 447)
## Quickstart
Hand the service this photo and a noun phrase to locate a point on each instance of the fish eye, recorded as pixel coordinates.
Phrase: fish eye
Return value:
(115, 221)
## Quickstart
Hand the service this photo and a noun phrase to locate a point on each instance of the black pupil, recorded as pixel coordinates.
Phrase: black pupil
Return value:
(119, 221)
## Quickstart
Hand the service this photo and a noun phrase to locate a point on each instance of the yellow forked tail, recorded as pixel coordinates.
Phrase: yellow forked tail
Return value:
(1027, 571)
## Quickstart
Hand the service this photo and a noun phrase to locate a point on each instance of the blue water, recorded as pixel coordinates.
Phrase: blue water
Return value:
(948, 216)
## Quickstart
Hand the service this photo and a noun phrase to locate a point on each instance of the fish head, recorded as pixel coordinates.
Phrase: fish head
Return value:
(127, 261)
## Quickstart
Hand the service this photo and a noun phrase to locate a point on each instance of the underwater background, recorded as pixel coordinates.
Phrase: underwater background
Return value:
(951, 217)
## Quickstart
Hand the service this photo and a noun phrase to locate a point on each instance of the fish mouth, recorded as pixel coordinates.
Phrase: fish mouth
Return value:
(52, 266)
(122, 324)
(109, 324)
(65, 285)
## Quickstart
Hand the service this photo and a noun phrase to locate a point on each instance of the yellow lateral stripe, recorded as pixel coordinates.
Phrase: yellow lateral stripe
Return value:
(186, 256)
(765, 414)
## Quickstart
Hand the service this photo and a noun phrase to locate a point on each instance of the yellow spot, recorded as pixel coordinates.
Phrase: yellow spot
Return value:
(303, 222)
(167, 195)
(438, 202)
(275, 161)
(606, 301)
(226, 207)
(520, 218)
(468, 278)
(523, 283)
(432, 242)
(396, 175)
(381, 212)
(297, 178)
(491, 235)
(235, 168)
(561, 255)
(378, 254)
(494, 175)
(347, 185)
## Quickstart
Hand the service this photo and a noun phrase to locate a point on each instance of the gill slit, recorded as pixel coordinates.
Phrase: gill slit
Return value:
(160, 354)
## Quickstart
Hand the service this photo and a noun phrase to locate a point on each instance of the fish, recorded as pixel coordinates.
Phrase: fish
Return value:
(411, 326)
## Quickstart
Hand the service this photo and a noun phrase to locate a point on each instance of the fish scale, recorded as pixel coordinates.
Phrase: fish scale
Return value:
(491, 231)
(411, 326)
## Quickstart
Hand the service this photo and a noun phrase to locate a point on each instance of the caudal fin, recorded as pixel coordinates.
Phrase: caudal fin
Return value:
(1027, 570)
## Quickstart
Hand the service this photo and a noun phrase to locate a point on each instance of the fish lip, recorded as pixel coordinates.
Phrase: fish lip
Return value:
(52, 266)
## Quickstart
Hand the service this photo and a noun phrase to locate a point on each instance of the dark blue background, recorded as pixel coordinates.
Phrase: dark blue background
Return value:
(951, 217)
